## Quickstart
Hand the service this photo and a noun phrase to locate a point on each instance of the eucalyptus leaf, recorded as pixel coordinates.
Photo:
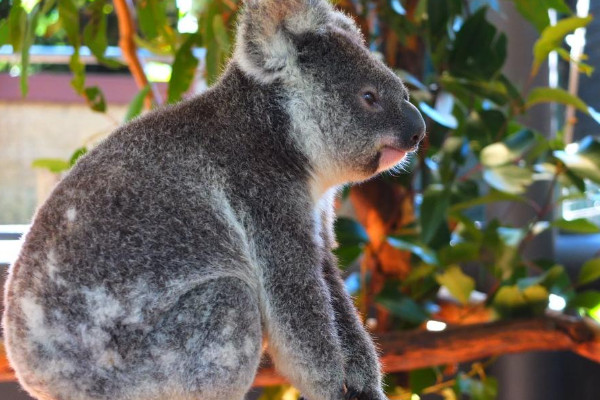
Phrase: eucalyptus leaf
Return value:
(589, 299)
(457, 283)
(184, 70)
(17, 23)
(589, 272)
(54, 165)
(536, 11)
(28, 39)
(420, 379)
(77, 154)
(444, 119)
(433, 212)
(585, 162)
(95, 98)
(4, 31)
(479, 50)
(425, 253)
(405, 308)
(552, 38)
(555, 95)
(509, 178)
(579, 225)
(137, 104)
(510, 301)
(511, 149)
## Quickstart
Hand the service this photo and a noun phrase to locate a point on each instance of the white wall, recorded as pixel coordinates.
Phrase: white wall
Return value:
(31, 130)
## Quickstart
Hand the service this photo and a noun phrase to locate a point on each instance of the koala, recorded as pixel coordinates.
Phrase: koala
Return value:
(171, 252)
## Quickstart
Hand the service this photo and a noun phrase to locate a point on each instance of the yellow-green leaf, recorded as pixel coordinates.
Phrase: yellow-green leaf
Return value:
(579, 225)
(55, 165)
(590, 271)
(552, 38)
(137, 104)
(555, 95)
(457, 283)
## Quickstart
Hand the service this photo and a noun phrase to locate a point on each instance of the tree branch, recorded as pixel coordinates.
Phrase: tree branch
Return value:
(405, 351)
(128, 47)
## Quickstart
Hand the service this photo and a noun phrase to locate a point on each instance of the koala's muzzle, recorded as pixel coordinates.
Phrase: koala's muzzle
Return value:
(413, 126)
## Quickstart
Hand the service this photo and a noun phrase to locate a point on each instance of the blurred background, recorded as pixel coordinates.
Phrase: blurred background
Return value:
(489, 240)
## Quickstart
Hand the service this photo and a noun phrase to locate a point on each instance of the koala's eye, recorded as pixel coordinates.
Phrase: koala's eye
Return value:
(371, 99)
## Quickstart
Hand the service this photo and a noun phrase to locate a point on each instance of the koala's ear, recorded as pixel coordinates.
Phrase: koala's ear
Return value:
(264, 47)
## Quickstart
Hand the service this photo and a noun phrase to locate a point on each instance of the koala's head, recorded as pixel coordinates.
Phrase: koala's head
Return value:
(349, 113)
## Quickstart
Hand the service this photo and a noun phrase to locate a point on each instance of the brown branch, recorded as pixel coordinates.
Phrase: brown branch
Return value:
(129, 49)
(405, 351)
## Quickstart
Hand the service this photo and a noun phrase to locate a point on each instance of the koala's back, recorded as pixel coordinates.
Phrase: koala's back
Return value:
(142, 220)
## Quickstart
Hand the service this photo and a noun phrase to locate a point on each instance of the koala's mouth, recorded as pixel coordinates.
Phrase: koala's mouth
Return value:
(389, 156)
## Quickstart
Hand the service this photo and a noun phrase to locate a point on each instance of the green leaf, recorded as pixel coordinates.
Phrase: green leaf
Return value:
(459, 252)
(547, 279)
(495, 90)
(433, 212)
(68, 13)
(77, 154)
(485, 127)
(492, 197)
(510, 301)
(511, 149)
(153, 22)
(347, 255)
(351, 238)
(221, 35)
(28, 38)
(479, 51)
(457, 283)
(54, 165)
(17, 22)
(95, 98)
(184, 70)
(589, 299)
(445, 119)
(69, 19)
(509, 178)
(555, 95)
(94, 33)
(404, 307)
(419, 249)
(590, 271)
(579, 225)
(552, 38)
(348, 232)
(4, 31)
(486, 389)
(137, 104)
(420, 379)
(585, 162)
(78, 70)
(536, 11)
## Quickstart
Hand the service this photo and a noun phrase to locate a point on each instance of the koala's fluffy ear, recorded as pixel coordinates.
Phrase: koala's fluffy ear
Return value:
(264, 48)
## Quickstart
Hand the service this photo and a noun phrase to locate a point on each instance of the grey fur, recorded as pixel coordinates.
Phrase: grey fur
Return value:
(160, 263)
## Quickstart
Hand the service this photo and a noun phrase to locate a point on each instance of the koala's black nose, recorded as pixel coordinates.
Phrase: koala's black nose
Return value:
(413, 125)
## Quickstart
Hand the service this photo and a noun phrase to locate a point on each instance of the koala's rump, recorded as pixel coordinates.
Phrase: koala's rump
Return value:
(113, 249)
